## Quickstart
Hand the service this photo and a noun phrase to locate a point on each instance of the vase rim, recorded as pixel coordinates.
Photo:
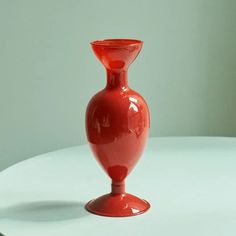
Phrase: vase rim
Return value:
(117, 42)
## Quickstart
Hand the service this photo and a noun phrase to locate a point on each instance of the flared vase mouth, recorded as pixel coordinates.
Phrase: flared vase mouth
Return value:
(116, 42)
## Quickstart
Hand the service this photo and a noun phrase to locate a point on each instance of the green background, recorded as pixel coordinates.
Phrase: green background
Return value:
(186, 70)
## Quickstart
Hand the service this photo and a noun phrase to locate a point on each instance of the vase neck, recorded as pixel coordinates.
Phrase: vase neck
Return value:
(117, 79)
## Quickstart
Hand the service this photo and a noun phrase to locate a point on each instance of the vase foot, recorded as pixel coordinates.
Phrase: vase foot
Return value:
(117, 205)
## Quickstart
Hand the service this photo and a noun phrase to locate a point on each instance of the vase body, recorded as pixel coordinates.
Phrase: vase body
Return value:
(117, 125)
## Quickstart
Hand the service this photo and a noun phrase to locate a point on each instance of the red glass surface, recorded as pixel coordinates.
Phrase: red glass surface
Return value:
(117, 125)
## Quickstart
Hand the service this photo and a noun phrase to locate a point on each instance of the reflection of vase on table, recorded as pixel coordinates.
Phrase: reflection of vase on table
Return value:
(117, 125)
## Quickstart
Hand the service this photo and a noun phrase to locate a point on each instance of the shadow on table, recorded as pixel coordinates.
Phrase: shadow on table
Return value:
(44, 211)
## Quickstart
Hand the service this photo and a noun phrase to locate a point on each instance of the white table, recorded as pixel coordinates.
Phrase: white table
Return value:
(190, 183)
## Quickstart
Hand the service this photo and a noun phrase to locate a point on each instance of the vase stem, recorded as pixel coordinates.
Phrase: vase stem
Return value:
(117, 79)
(118, 187)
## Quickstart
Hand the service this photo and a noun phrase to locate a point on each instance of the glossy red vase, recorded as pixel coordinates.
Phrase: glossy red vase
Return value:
(117, 125)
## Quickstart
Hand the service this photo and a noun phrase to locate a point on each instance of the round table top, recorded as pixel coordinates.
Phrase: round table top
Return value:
(189, 181)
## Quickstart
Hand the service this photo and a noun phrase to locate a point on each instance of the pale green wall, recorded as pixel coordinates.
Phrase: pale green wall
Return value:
(186, 70)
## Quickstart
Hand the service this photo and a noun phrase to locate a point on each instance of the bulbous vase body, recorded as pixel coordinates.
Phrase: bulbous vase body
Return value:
(117, 122)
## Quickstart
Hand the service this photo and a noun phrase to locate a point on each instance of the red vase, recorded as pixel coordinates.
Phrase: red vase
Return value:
(117, 125)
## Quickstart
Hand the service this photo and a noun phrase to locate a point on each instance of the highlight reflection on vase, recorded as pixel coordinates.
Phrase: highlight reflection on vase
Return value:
(117, 125)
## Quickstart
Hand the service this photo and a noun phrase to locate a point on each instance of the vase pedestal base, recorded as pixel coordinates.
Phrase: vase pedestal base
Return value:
(117, 205)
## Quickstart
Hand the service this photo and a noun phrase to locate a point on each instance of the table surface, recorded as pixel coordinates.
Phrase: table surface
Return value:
(189, 181)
